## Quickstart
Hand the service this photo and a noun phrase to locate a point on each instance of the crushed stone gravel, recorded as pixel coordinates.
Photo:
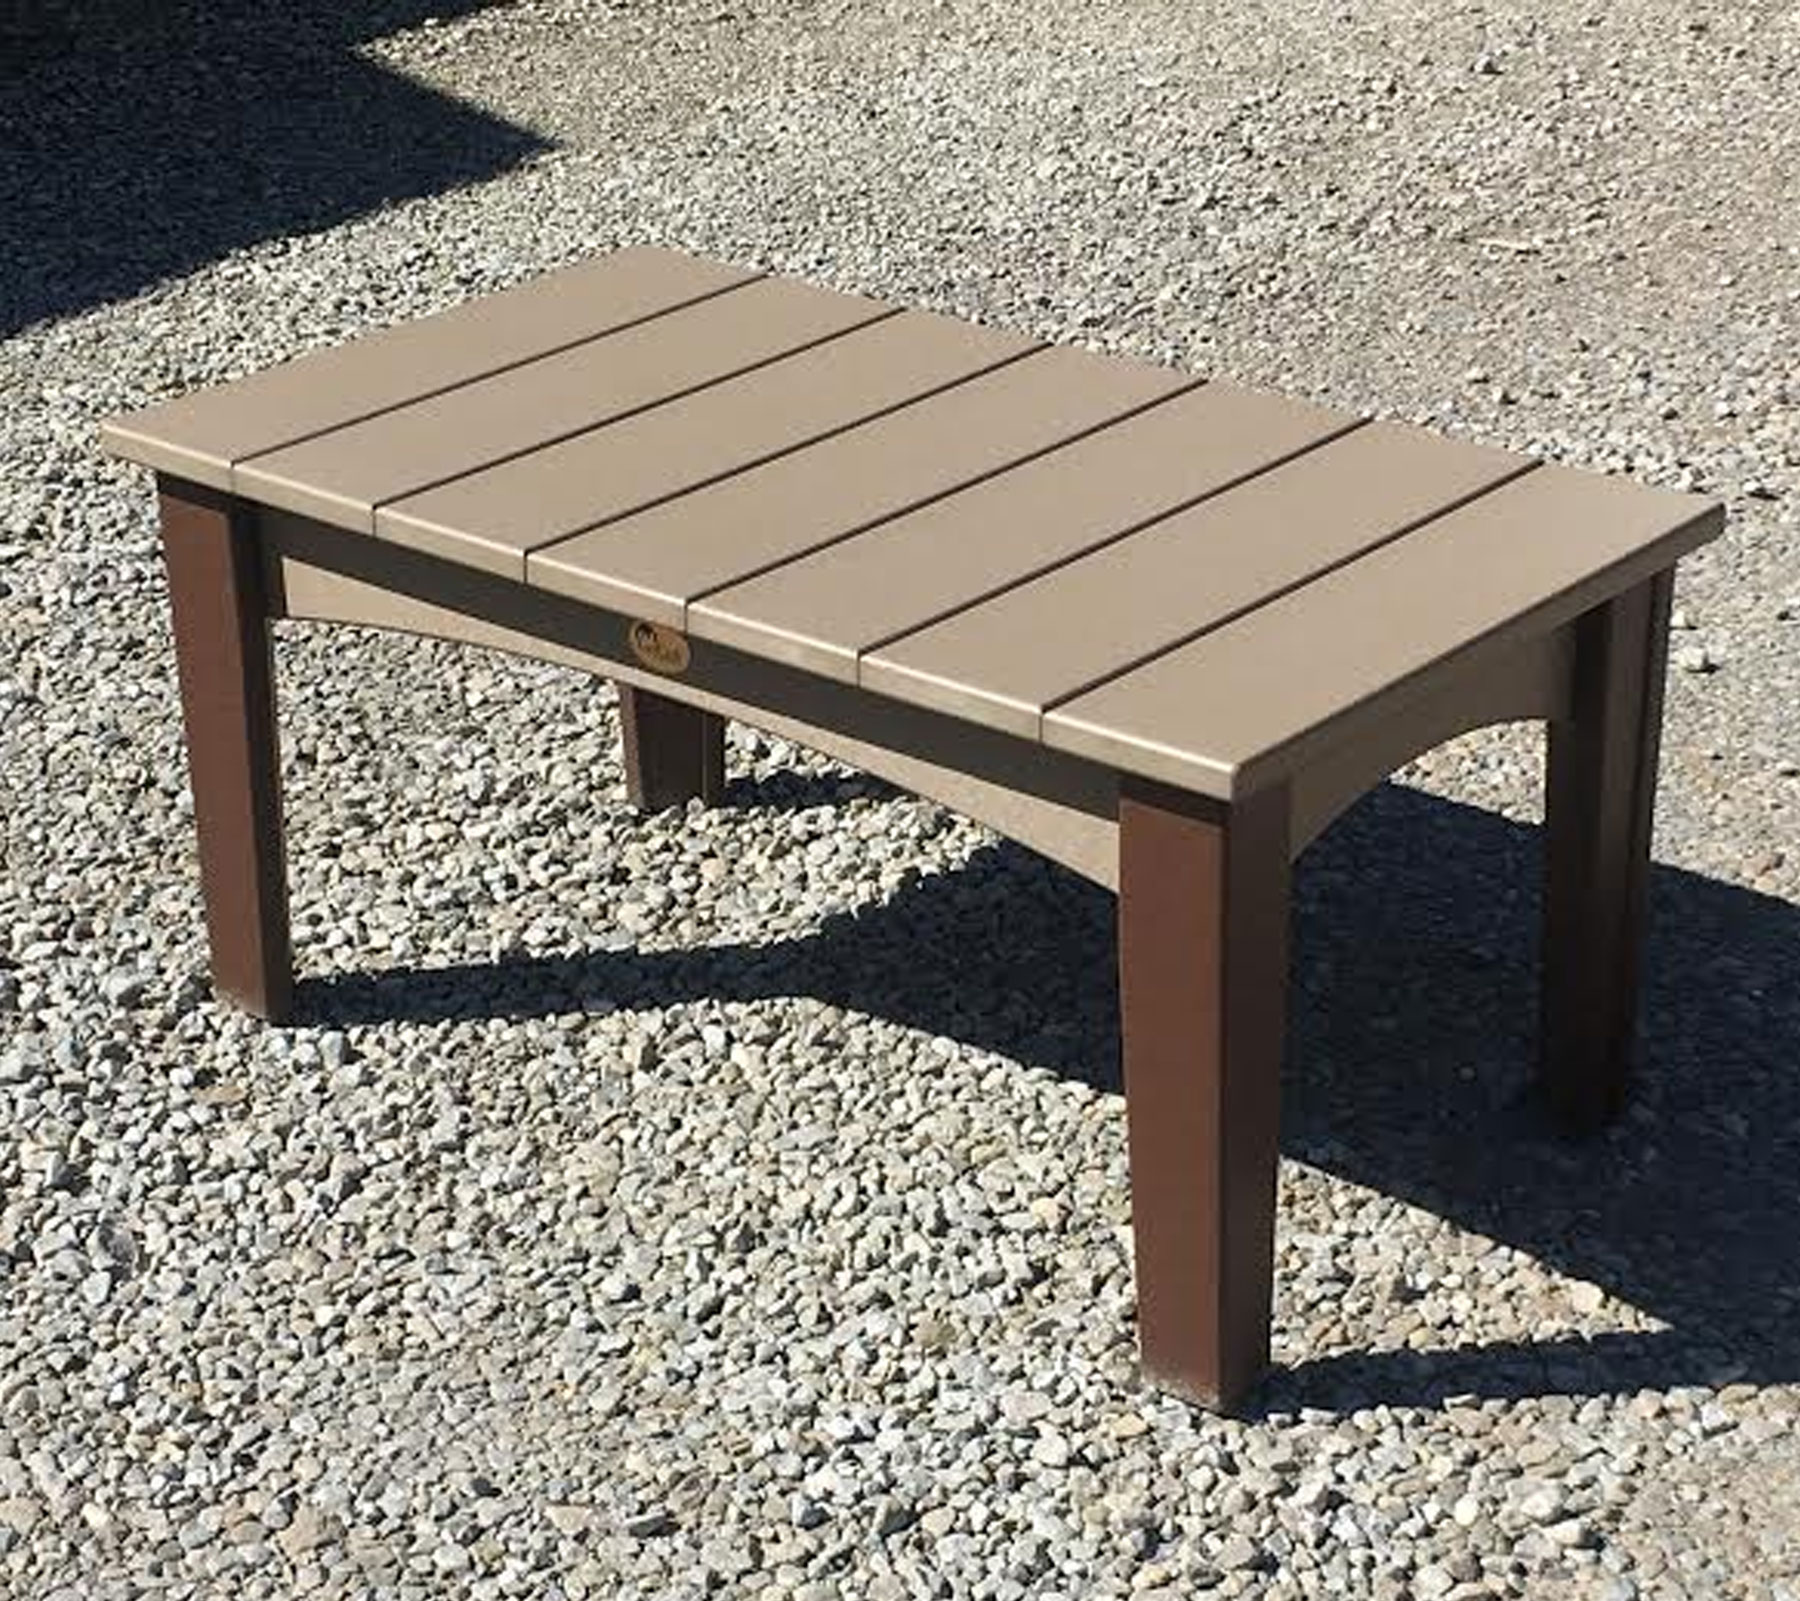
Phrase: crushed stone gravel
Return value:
(735, 1202)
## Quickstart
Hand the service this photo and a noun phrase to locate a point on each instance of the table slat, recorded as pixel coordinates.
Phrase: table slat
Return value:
(341, 476)
(1006, 660)
(493, 518)
(201, 435)
(653, 564)
(1247, 701)
(825, 609)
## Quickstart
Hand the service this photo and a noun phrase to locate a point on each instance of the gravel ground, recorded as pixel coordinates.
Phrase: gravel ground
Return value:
(736, 1202)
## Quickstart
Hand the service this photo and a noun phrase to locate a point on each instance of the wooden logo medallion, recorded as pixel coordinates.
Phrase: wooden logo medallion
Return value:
(662, 650)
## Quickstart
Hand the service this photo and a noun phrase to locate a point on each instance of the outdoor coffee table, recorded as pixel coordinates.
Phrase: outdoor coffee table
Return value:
(1159, 629)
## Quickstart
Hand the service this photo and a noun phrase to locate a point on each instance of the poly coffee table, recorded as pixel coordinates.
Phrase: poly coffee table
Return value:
(1159, 629)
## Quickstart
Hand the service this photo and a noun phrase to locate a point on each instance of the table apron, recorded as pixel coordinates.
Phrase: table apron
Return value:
(1057, 804)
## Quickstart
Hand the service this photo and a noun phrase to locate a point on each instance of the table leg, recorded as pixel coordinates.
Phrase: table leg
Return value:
(673, 752)
(226, 668)
(1599, 793)
(1203, 930)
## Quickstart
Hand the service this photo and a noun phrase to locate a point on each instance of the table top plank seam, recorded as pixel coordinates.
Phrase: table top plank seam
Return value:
(498, 517)
(792, 447)
(823, 610)
(168, 437)
(1007, 659)
(1068, 558)
(883, 315)
(874, 524)
(494, 372)
(1417, 525)
(1551, 610)
(1289, 727)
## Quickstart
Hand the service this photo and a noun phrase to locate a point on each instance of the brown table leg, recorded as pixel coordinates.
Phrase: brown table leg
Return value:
(226, 668)
(673, 752)
(1203, 928)
(1599, 794)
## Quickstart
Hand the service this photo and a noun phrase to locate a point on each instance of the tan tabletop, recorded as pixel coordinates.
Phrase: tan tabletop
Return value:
(1184, 580)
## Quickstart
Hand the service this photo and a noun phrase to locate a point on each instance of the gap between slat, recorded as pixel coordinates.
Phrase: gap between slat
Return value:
(492, 372)
(1274, 595)
(786, 450)
(375, 507)
(1032, 574)
(751, 574)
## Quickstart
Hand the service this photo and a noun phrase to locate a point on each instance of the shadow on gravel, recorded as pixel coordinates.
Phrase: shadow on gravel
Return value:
(1409, 1071)
(138, 142)
(798, 792)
